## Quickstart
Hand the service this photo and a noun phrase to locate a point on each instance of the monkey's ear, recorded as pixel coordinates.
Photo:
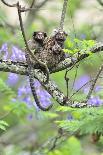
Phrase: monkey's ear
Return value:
(34, 34)
(45, 34)
(66, 34)
(55, 31)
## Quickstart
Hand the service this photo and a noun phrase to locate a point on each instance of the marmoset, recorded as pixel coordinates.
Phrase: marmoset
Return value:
(51, 50)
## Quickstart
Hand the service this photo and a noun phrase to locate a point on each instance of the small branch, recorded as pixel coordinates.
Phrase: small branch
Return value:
(9, 5)
(26, 44)
(31, 15)
(30, 67)
(52, 142)
(28, 9)
(67, 82)
(32, 4)
(57, 137)
(100, 2)
(63, 14)
(41, 4)
(76, 72)
(94, 83)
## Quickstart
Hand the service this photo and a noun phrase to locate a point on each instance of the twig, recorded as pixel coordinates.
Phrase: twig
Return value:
(80, 88)
(94, 83)
(23, 9)
(63, 14)
(100, 2)
(59, 135)
(31, 77)
(9, 5)
(51, 141)
(32, 8)
(26, 44)
(67, 82)
(75, 76)
(32, 4)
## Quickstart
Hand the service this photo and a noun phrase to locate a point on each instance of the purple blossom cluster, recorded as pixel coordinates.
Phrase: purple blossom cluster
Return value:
(83, 83)
(15, 55)
(24, 92)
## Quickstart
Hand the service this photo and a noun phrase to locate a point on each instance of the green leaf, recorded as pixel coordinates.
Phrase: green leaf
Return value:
(3, 125)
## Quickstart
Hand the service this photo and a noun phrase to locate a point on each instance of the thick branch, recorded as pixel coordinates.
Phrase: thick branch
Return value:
(50, 86)
(67, 63)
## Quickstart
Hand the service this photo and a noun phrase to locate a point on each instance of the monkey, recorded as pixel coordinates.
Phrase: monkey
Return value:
(52, 50)
(36, 43)
(48, 50)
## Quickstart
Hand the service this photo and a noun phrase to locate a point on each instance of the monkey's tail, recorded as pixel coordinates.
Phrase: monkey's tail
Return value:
(33, 89)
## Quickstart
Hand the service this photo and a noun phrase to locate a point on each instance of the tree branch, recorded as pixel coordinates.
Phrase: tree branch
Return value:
(100, 2)
(67, 63)
(94, 83)
(52, 89)
(7, 4)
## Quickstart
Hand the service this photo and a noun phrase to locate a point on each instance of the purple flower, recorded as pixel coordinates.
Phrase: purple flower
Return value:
(4, 51)
(30, 117)
(82, 36)
(37, 83)
(45, 98)
(70, 117)
(98, 88)
(81, 81)
(27, 100)
(17, 54)
(12, 79)
(4, 48)
(95, 100)
(21, 91)
(86, 90)
(13, 57)
(24, 93)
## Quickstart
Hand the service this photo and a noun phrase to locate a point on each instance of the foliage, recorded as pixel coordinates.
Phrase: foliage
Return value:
(83, 120)
(3, 125)
(77, 45)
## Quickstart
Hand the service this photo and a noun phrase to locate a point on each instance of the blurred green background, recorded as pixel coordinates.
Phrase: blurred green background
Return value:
(29, 131)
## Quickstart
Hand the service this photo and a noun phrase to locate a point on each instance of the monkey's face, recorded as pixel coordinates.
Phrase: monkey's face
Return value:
(39, 36)
(60, 35)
